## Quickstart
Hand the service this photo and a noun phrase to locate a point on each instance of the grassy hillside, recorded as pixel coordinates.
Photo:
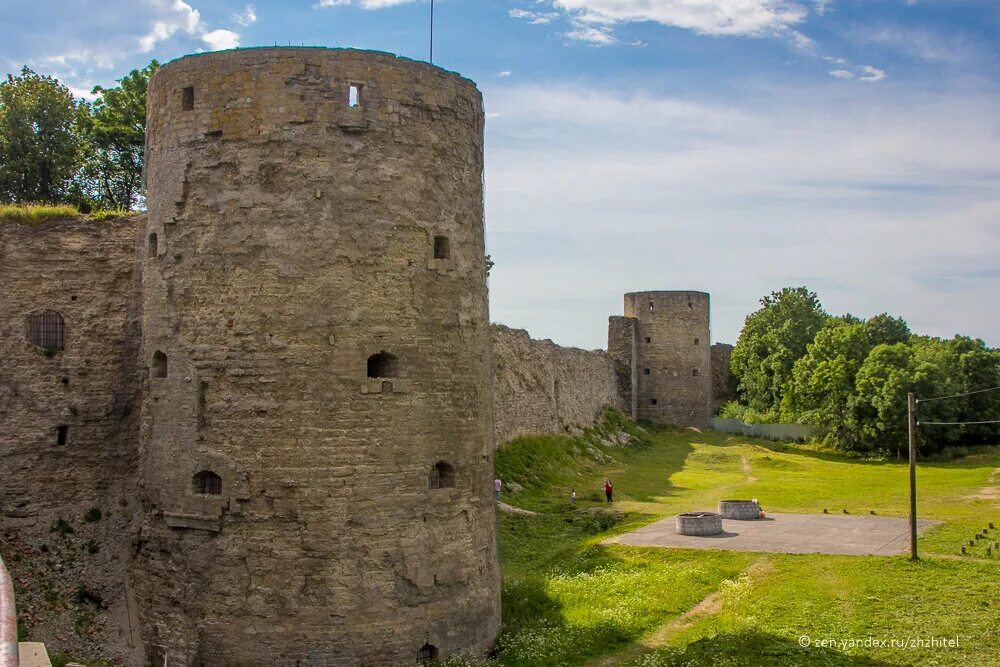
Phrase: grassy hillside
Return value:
(568, 600)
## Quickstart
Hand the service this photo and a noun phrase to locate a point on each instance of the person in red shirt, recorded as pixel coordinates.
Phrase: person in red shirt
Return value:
(608, 488)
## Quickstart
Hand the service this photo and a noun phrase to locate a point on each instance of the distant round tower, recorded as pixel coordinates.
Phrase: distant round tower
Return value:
(316, 434)
(672, 373)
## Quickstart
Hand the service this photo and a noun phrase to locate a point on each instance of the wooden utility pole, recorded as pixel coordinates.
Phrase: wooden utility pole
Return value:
(911, 402)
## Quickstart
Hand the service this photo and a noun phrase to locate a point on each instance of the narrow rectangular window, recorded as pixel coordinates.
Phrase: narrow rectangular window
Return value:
(696, 341)
(650, 306)
(187, 98)
(202, 396)
(645, 371)
(648, 340)
(694, 373)
(442, 248)
(62, 432)
(354, 95)
(652, 401)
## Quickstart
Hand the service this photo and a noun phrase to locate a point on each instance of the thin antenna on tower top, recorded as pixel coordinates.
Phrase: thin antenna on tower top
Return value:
(432, 32)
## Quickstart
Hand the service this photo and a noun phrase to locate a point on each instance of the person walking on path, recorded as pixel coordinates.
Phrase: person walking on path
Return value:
(608, 489)
(572, 497)
(497, 485)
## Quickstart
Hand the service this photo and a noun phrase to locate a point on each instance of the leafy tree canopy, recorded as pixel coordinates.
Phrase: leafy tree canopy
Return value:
(40, 144)
(773, 338)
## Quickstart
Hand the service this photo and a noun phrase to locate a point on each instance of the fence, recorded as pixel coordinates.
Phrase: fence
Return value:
(769, 431)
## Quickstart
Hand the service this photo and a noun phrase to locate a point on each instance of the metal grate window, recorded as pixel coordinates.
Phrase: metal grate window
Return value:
(207, 483)
(46, 330)
(427, 654)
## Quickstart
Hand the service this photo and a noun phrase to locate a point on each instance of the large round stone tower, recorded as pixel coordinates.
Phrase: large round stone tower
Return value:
(663, 343)
(316, 434)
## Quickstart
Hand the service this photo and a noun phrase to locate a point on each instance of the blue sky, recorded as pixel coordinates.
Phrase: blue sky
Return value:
(729, 146)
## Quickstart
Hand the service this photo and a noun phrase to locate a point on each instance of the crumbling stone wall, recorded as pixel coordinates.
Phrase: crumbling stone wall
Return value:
(67, 445)
(293, 514)
(540, 387)
(672, 371)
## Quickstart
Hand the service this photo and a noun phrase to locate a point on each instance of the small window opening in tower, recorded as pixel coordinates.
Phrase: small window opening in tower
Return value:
(427, 654)
(202, 398)
(652, 401)
(697, 341)
(648, 339)
(207, 483)
(650, 306)
(62, 433)
(442, 475)
(187, 98)
(442, 247)
(159, 366)
(383, 365)
(354, 95)
(645, 371)
(689, 305)
(46, 330)
(694, 372)
(153, 244)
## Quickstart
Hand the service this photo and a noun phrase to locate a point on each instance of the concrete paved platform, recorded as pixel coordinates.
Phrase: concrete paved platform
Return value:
(789, 534)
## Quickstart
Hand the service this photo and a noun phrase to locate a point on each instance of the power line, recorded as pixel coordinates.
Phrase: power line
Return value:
(995, 421)
(968, 393)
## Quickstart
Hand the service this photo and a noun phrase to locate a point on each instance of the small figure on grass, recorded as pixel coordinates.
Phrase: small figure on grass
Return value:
(497, 486)
(609, 490)
(572, 497)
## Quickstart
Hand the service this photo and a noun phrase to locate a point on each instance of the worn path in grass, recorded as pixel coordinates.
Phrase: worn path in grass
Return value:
(568, 600)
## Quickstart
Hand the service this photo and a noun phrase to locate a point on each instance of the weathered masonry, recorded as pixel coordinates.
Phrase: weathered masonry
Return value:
(316, 437)
(259, 422)
(664, 344)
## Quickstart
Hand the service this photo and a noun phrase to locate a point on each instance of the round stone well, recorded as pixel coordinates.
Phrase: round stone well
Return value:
(742, 510)
(699, 523)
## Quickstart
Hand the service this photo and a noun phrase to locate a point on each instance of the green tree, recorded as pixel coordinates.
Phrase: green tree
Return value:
(880, 405)
(772, 340)
(40, 146)
(885, 329)
(823, 381)
(116, 133)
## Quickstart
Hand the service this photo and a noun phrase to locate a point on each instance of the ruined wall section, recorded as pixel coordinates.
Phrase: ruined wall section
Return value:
(318, 216)
(540, 387)
(673, 356)
(622, 332)
(67, 446)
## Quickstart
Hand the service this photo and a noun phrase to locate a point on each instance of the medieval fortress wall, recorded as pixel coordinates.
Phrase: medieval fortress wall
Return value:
(294, 451)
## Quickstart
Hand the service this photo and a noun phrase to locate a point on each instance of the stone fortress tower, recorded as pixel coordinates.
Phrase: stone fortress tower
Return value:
(662, 346)
(315, 439)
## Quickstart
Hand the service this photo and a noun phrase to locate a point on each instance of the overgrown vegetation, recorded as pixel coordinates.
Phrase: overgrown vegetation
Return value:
(850, 377)
(40, 213)
(568, 599)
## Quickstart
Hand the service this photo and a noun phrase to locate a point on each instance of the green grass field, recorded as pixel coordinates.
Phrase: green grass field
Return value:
(568, 600)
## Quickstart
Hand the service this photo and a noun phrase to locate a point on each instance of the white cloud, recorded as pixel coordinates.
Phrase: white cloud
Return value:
(221, 39)
(842, 74)
(174, 16)
(709, 17)
(594, 35)
(871, 74)
(822, 6)
(247, 16)
(534, 18)
(504, 73)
